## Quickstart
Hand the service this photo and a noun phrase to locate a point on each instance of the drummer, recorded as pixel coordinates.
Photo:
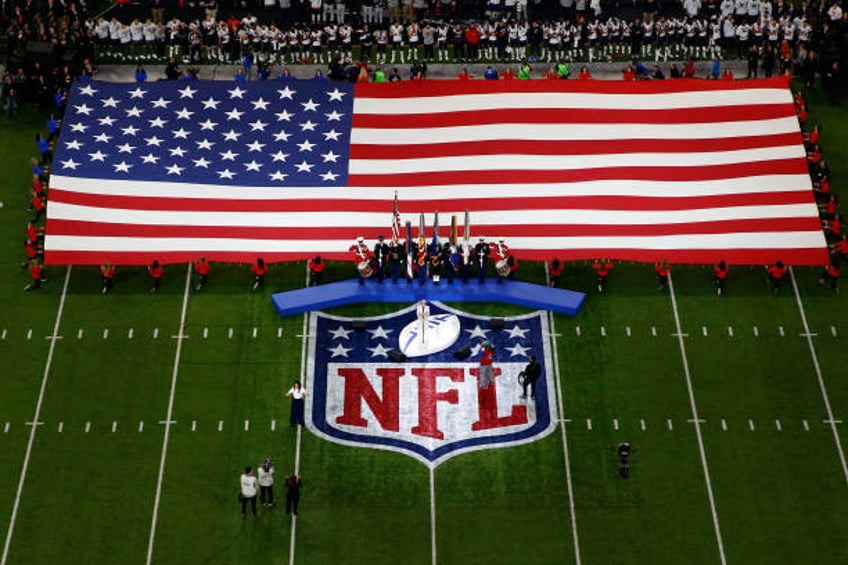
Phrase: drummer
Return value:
(362, 259)
(503, 260)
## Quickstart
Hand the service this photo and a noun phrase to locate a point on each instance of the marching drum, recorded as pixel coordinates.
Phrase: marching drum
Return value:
(502, 267)
(365, 269)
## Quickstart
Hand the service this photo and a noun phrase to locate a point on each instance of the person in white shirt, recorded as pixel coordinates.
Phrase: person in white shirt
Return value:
(297, 393)
(423, 313)
(248, 491)
(266, 483)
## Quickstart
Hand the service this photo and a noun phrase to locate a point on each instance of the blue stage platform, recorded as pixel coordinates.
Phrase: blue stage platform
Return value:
(350, 292)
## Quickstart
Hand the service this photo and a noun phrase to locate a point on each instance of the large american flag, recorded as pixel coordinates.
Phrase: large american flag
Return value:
(684, 170)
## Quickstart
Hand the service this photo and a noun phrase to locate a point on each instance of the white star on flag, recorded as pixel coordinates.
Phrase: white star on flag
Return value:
(207, 125)
(307, 125)
(175, 169)
(125, 148)
(181, 133)
(277, 175)
(137, 93)
(184, 114)
(234, 114)
(279, 156)
(260, 104)
(102, 138)
(334, 116)
(282, 135)
(210, 104)
(232, 135)
(177, 152)
(253, 166)
(339, 350)
(79, 128)
(330, 157)
(284, 116)
(110, 102)
(88, 90)
(516, 332)
(304, 167)
(130, 130)
(237, 92)
(331, 135)
(287, 93)
(205, 144)
(70, 164)
(153, 141)
(306, 145)
(75, 145)
(83, 109)
(309, 106)
(98, 156)
(122, 167)
(380, 333)
(134, 112)
(255, 146)
(329, 176)
(150, 158)
(341, 333)
(378, 351)
(107, 121)
(161, 103)
(157, 122)
(226, 174)
(187, 92)
(202, 163)
(258, 125)
(228, 155)
(336, 95)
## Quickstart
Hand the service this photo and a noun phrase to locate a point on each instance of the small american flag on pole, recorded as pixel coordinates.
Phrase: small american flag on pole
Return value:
(395, 221)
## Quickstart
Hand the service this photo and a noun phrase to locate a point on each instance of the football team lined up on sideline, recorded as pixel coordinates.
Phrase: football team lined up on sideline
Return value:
(696, 33)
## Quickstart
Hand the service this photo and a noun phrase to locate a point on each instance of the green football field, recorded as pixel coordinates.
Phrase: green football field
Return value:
(126, 419)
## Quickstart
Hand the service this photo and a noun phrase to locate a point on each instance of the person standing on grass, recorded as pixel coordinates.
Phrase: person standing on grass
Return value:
(155, 270)
(602, 268)
(44, 149)
(298, 394)
(554, 272)
(662, 270)
(38, 204)
(775, 275)
(107, 273)
(259, 269)
(202, 270)
(266, 483)
(830, 275)
(293, 484)
(36, 273)
(721, 271)
(316, 267)
(248, 491)
(530, 376)
(487, 371)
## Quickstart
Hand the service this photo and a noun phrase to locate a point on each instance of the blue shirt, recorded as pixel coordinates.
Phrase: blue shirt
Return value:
(43, 146)
(240, 77)
(140, 76)
(490, 74)
(52, 125)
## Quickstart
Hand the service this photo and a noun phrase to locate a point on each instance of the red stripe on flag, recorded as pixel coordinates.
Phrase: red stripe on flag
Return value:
(507, 176)
(567, 116)
(570, 147)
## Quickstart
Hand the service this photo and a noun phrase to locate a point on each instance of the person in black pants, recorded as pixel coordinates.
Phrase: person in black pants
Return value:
(248, 491)
(381, 255)
(481, 258)
(293, 484)
(530, 376)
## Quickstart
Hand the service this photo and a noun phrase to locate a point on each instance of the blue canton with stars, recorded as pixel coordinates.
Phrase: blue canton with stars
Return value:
(209, 132)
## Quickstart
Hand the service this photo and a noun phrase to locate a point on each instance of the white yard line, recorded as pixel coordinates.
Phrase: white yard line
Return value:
(822, 387)
(696, 422)
(304, 338)
(433, 515)
(22, 480)
(169, 419)
(573, 515)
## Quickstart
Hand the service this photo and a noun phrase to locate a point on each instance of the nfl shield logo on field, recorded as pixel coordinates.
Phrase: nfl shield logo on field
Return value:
(410, 382)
